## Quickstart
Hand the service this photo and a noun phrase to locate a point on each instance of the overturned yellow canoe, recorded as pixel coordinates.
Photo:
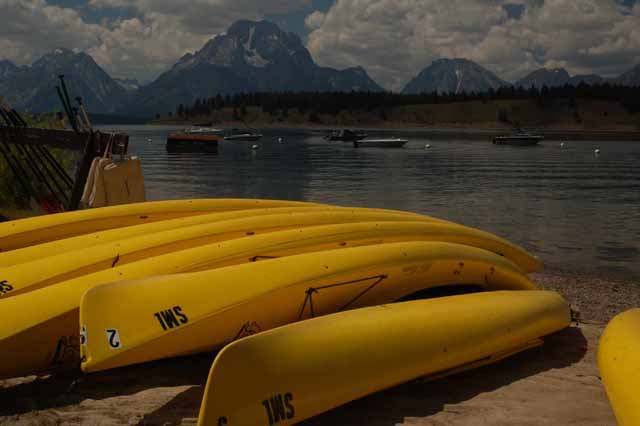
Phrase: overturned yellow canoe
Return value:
(84, 241)
(183, 314)
(291, 373)
(25, 232)
(53, 269)
(619, 364)
(38, 321)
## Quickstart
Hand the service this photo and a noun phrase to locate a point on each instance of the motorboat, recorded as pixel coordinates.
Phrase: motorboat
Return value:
(242, 135)
(519, 138)
(205, 131)
(345, 135)
(380, 143)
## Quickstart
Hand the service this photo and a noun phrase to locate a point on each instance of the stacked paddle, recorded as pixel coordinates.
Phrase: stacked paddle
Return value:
(300, 296)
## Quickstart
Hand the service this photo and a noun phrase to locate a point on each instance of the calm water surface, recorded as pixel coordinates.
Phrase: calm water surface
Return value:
(579, 212)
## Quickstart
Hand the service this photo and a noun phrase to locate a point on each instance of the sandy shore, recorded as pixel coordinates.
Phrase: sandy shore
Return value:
(556, 384)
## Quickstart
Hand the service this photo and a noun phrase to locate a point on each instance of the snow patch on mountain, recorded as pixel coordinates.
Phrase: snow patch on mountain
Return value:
(251, 55)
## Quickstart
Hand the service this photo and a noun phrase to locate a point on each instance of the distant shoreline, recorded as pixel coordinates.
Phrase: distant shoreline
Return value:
(444, 131)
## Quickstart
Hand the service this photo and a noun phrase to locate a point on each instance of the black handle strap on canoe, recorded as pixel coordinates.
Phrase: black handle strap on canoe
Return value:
(316, 290)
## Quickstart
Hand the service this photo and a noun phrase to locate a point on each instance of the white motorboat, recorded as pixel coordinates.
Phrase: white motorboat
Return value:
(204, 131)
(519, 138)
(380, 143)
(242, 135)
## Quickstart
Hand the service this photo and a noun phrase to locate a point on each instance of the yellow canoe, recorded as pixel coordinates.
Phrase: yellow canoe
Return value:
(37, 321)
(56, 247)
(619, 364)
(25, 232)
(291, 373)
(182, 314)
(42, 272)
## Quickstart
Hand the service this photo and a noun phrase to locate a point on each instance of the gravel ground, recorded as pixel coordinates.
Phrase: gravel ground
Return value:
(596, 299)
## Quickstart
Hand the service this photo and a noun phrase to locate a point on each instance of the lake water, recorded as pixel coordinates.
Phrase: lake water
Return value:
(578, 211)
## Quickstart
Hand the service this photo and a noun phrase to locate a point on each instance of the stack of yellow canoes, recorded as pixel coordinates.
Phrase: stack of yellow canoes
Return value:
(300, 296)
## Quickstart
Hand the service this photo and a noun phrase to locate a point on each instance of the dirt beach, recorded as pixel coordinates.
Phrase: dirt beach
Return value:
(556, 384)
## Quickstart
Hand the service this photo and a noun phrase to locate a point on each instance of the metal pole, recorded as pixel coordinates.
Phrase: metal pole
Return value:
(67, 110)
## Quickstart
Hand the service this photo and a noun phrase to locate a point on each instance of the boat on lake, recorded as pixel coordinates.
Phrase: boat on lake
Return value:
(242, 135)
(194, 140)
(345, 135)
(519, 138)
(205, 131)
(380, 143)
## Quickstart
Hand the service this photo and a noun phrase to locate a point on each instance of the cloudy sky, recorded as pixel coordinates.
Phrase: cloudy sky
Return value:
(392, 39)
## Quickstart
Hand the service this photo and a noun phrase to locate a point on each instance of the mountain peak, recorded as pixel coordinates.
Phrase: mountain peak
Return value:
(455, 75)
(7, 68)
(34, 87)
(630, 78)
(61, 57)
(553, 77)
(250, 56)
(243, 26)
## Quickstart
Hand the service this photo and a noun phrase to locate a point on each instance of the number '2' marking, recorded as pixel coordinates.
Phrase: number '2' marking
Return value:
(113, 337)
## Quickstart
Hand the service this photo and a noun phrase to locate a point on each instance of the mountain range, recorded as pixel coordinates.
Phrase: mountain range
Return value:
(250, 56)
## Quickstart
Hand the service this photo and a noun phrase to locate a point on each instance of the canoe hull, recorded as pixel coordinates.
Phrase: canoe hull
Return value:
(25, 232)
(269, 294)
(619, 364)
(303, 369)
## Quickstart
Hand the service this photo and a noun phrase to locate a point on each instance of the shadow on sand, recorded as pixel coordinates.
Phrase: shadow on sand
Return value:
(72, 387)
(385, 408)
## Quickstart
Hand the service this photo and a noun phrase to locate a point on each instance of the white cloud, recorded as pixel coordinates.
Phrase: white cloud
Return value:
(395, 39)
(31, 27)
(205, 16)
(314, 20)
